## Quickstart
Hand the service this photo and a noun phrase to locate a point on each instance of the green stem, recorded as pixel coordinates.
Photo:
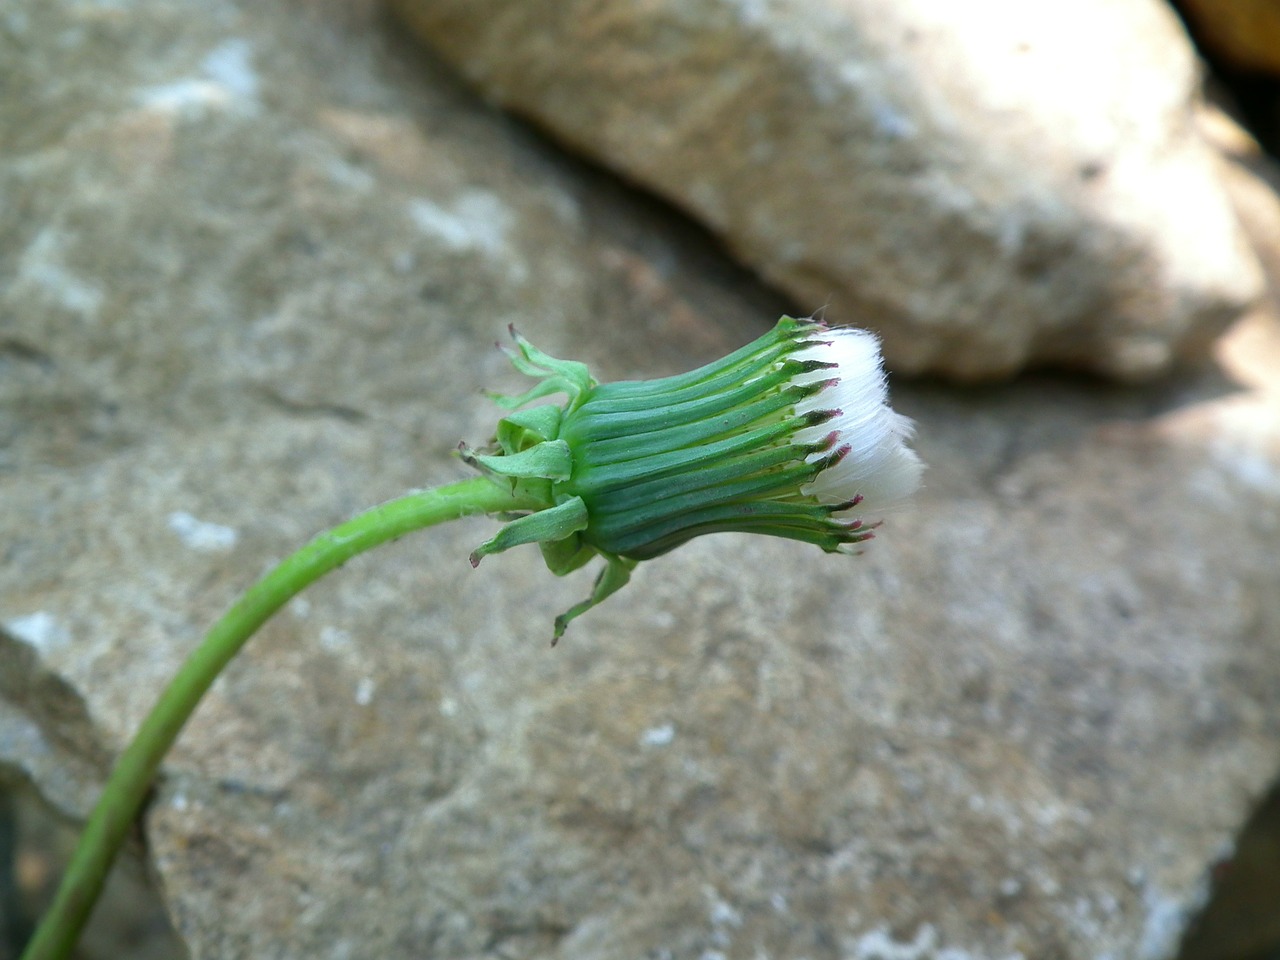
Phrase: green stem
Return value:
(127, 787)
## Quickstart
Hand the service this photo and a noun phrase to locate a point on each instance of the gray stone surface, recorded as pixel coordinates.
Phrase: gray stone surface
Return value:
(253, 261)
(992, 185)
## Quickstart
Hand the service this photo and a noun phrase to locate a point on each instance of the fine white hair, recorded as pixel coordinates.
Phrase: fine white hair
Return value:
(879, 467)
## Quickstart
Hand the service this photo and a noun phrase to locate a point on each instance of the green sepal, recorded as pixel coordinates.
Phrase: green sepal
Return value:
(603, 441)
(615, 576)
(788, 332)
(527, 428)
(548, 386)
(610, 525)
(680, 464)
(566, 555)
(810, 523)
(553, 523)
(550, 460)
(588, 423)
(570, 377)
(624, 396)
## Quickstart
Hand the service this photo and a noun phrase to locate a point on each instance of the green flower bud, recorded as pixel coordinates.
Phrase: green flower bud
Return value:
(790, 436)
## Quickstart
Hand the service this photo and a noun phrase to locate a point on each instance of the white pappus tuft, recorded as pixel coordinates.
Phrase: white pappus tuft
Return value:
(878, 467)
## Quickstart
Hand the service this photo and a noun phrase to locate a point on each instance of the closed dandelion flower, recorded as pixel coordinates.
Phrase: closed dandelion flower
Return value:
(790, 436)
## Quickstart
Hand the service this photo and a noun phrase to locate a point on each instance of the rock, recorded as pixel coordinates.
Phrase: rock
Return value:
(1244, 34)
(991, 186)
(259, 259)
(1253, 182)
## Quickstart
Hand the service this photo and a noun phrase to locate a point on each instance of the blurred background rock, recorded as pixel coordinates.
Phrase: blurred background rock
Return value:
(252, 258)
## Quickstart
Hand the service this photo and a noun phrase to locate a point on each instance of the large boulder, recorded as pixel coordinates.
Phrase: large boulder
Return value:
(254, 263)
(990, 185)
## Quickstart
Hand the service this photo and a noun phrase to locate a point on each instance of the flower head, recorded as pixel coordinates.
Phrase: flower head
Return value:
(790, 436)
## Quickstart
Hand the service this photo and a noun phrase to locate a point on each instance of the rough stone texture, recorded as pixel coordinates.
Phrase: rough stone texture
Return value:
(990, 185)
(1245, 34)
(253, 260)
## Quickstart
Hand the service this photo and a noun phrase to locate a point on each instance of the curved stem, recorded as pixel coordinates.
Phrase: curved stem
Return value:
(126, 788)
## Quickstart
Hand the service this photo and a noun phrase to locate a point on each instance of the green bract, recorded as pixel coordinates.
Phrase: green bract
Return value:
(632, 469)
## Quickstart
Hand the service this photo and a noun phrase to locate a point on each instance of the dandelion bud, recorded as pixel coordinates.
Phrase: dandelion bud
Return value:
(790, 436)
